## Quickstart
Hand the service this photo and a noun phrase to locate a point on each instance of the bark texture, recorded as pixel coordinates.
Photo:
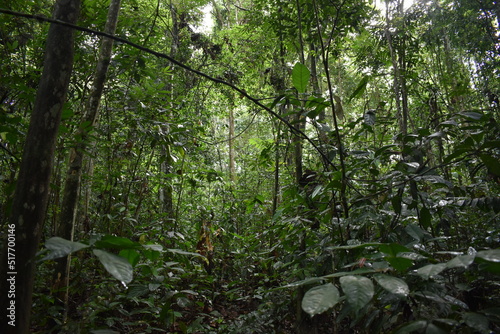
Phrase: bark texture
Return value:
(33, 184)
(69, 207)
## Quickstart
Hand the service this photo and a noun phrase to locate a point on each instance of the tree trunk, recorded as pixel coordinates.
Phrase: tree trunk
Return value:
(65, 228)
(33, 184)
(399, 81)
(232, 164)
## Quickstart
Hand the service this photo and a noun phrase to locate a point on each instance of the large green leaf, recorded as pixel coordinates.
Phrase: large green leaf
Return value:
(393, 284)
(358, 289)
(111, 241)
(320, 298)
(421, 326)
(491, 163)
(131, 255)
(180, 251)
(117, 266)
(310, 280)
(60, 247)
(359, 271)
(431, 270)
(477, 321)
(492, 255)
(300, 77)
(399, 263)
(413, 327)
(425, 217)
(393, 249)
(360, 89)
(461, 261)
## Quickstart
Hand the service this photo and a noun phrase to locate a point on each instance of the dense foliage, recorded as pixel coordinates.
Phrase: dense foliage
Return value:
(315, 167)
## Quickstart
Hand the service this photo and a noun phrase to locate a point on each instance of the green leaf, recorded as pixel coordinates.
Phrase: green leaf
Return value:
(393, 284)
(131, 255)
(359, 271)
(492, 163)
(431, 270)
(358, 289)
(425, 217)
(433, 329)
(413, 327)
(137, 291)
(492, 255)
(320, 298)
(462, 261)
(179, 251)
(365, 245)
(300, 77)
(60, 247)
(155, 247)
(307, 281)
(477, 321)
(471, 115)
(492, 267)
(383, 149)
(399, 263)
(111, 241)
(415, 231)
(396, 204)
(360, 89)
(317, 191)
(117, 266)
(393, 249)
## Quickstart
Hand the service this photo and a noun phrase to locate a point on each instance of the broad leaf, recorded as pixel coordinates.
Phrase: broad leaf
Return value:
(300, 77)
(425, 217)
(477, 321)
(180, 251)
(462, 261)
(117, 266)
(492, 255)
(111, 241)
(472, 115)
(359, 271)
(131, 255)
(413, 327)
(415, 231)
(320, 298)
(358, 289)
(307, 281)
(393, 249)
(360, 89)
(431, 270)
(399, 263)
(491, 163)
(393, 284)
(60, 247)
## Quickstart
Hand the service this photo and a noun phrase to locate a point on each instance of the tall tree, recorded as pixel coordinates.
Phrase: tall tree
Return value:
(69, 207)
(33, 184)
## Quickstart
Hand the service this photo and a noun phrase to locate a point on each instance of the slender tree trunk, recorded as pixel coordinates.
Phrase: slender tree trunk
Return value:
(33, 185)
(65, 228)
(232, 164)
(166, 191)
(399, 82)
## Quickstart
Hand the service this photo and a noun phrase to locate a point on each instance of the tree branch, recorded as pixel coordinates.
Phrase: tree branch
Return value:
(241, 91)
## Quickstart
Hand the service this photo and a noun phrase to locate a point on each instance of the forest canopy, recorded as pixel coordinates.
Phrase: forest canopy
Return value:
(250, 166)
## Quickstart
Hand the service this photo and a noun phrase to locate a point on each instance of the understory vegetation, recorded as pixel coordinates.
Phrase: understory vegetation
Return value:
(308, 166)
